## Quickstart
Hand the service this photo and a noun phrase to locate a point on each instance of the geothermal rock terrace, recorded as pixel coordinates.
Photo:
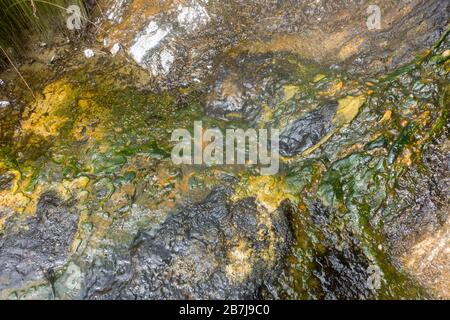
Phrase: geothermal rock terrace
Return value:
(92, 207)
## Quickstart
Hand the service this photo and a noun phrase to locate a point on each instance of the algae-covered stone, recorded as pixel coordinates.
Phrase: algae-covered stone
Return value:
(357, 182)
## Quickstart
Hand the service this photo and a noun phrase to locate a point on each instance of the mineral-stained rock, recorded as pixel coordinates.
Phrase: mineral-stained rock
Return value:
(338, 268)
(31, 253)
(429, 261)
(342, 267)
(282, 91)
(196, 32)
(214, 249)
(312, 70)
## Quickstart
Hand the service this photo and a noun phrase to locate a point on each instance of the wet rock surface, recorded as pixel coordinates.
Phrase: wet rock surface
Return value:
(362, 181)
(32, 252)
(213, 250)
(308, 131)
(186, 37)
(424, 208)
(245, 84)
(338, 267)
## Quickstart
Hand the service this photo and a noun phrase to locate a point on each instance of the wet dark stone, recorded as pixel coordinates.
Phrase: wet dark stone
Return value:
(30, 252)
(420, 204)
(187, 257)
(341, 268)
(244, 84)
(308, 131)
(343, 273)
(335, 266)
(6, 180)
(9, 118)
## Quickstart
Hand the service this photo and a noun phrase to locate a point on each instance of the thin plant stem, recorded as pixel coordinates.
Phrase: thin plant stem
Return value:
(34, 8)
(57, 6)
(18, 72)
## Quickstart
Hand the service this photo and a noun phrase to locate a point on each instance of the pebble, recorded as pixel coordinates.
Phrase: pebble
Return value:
(89, 53)
(115, 49)
(4, 104)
